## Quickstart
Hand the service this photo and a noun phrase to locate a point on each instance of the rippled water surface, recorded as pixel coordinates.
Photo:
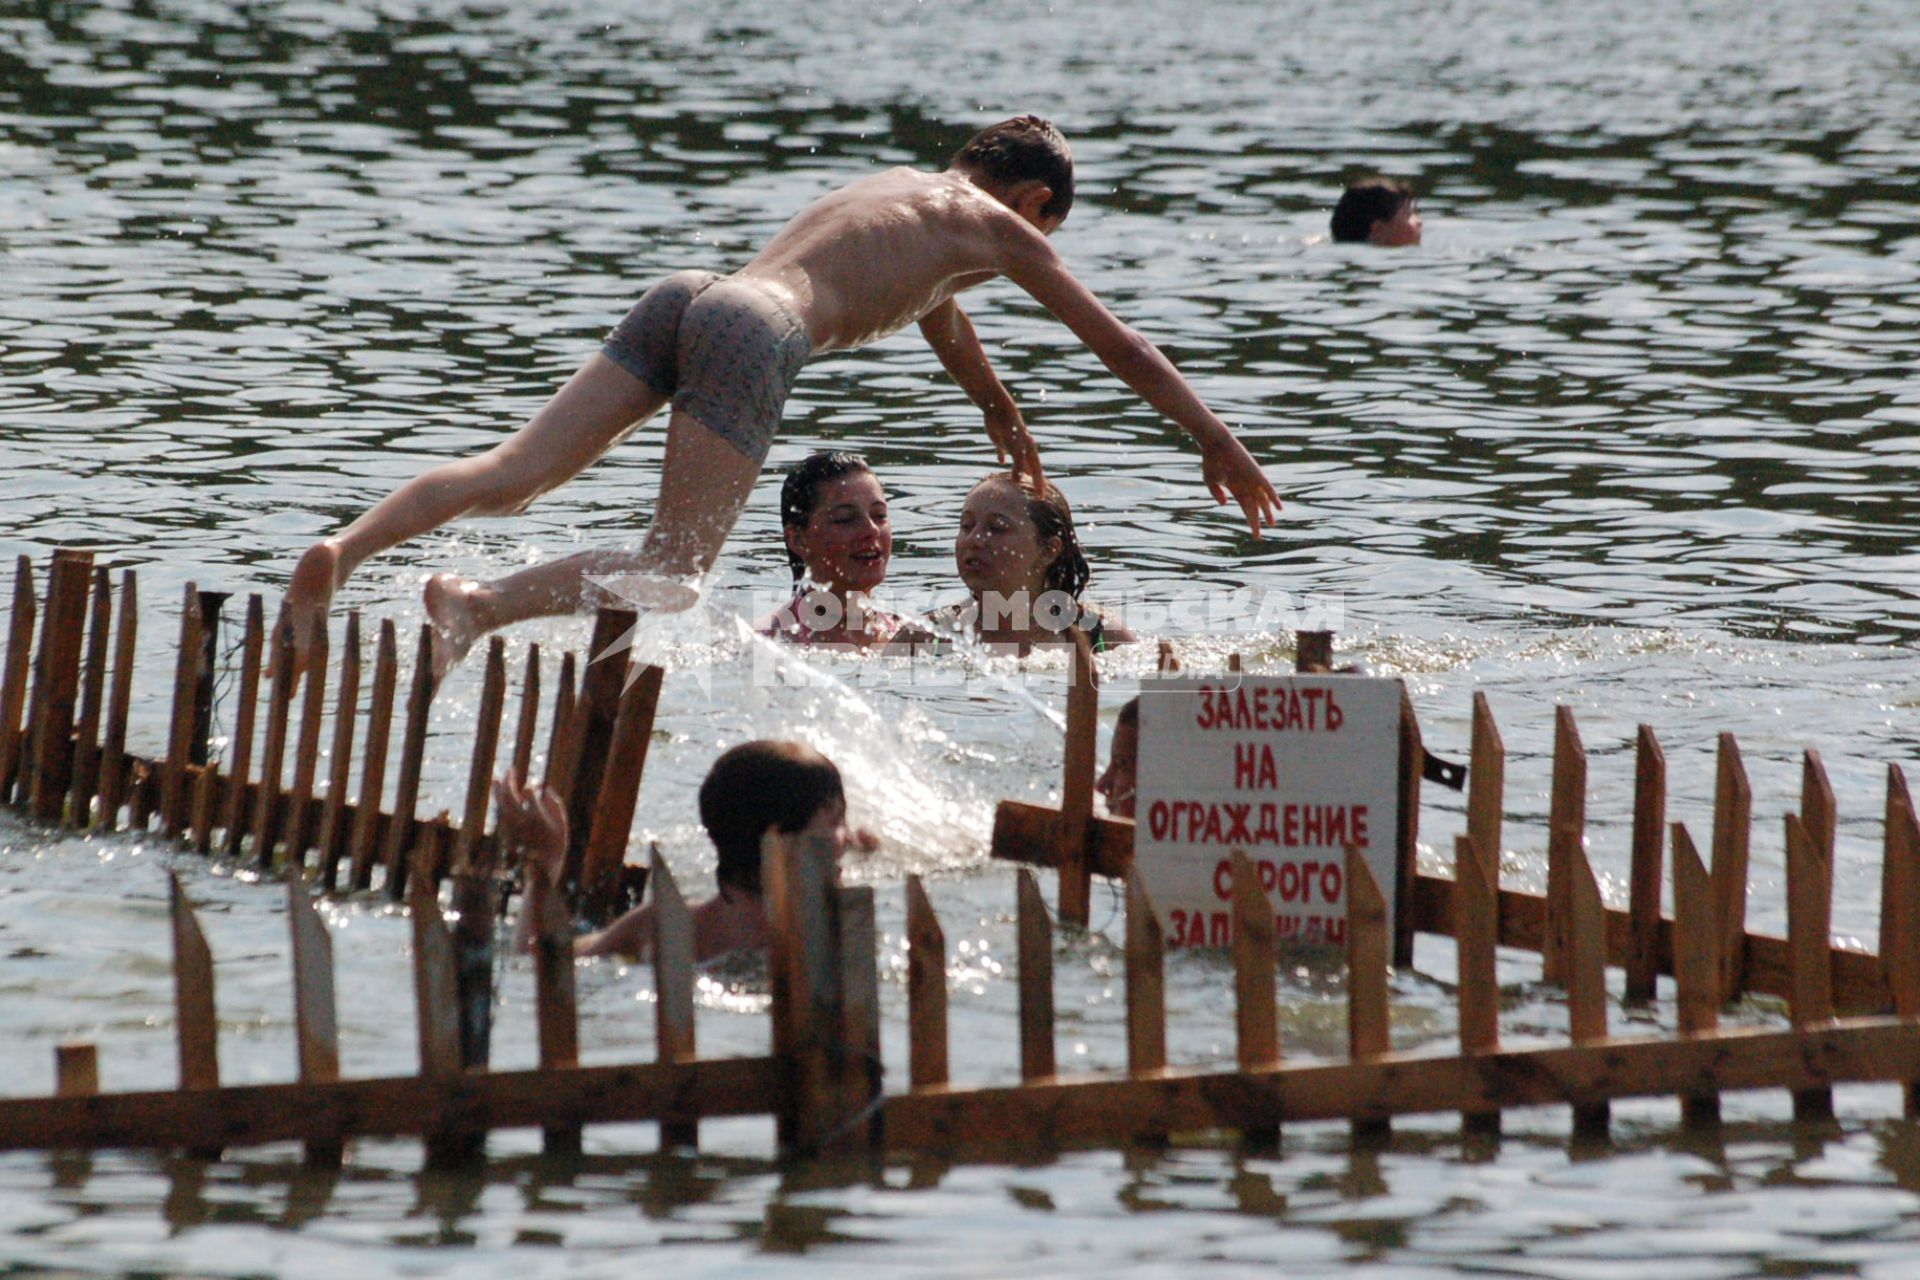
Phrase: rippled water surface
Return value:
(1634, 431)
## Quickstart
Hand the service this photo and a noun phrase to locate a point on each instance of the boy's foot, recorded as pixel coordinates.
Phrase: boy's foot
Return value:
(309, 595)
(450, 609)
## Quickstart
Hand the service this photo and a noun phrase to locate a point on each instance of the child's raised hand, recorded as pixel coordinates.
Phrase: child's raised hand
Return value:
(1230, 470)
(532, 820)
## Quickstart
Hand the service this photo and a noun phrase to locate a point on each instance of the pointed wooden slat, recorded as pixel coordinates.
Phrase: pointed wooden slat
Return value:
(1146, 983)
(1696, 963)
(252, 645)
(672, 966)
(554, 1008)
(1476, 914)
(805, 963)
(560, 732)
(859, 1031)
(1900, 897)
(473, 939)
(1035, 946)
(335, 830)
(302, 823)
(926, 991)
(596, 711)
(186, 680)
(316, 1026)
(1809, 927)
(1649, 833)
(13, 685)
(113, 750)
(76, 1070)
(1256, 1015)
(1368, 1025)
(413, 749)
(1412, 768)
(486, 743)
(373, 769)
(1076, 786)
(56, 686)
(268, 799)
(93, 684)
(193, 995)
(1586, 977)
(1567, 824)
(1486, 782)
(1817, 809)
(1732, 833)
(435, 990)
(626, 763)
(203, 809)
(529, 716)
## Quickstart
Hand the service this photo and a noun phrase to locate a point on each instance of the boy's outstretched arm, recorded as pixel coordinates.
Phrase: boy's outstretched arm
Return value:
(1227, 466)
(950, 334)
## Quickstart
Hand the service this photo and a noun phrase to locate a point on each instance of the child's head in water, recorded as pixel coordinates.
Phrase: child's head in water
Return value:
(1378, 211)
(833, 515)
(1120, 781)
(764, 784)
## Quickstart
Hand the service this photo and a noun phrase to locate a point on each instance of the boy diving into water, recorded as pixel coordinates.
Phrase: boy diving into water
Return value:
(724, 351)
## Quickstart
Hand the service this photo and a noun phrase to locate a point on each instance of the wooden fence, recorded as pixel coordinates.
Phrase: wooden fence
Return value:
(1853, 1016)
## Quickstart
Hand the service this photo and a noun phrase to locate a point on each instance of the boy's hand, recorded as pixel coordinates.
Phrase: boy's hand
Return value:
(1230, 469)
(1011, 440)
(533, 821)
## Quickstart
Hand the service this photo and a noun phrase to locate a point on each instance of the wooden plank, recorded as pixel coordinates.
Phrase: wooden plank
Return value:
(93, 687)
(1809, 927)
(186, 680)
(1732, 833)
(316, 1026)
(13, 684)
(596, 709)
(805, 963)
(250, 1115)
(1476, 912)
(857, 1053)
(76, 1070)
(1407, 835)
(554, 1009)
(626, 762)
(1900, 897)
(203, 809)
(1817, 809)
(373, 768)
(529, 715)
(1079, 768)
(1234, 662)
(560, 732)
(57, 684)
(1486, 782)
(198, 1029)
(1030, 833)
(436, 993)
(1696, 963)
(335, 830)
(269, 800)
(1255, 954)
(673, 1010)
(1067, 1111)
(486, 744)
(1647, 865)
(926, 991)
(302, 817)
(1567, 825)
(252, 645)
(1367, 954)
(1146, 983)
(113, 750)
(1586, 977)
(1034, 942)
(413, 749)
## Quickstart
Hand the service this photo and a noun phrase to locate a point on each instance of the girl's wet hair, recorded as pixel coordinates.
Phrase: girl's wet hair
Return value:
(758, 785)
(1053, 518)
(800, 491)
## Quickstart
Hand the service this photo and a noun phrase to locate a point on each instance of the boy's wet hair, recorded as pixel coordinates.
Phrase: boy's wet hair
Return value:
(758, 785)
(800, 492)
(1129, 713)
(1018, 149)
(1366, 202)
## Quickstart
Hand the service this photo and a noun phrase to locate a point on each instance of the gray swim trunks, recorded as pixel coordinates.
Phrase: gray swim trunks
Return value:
(724, 350)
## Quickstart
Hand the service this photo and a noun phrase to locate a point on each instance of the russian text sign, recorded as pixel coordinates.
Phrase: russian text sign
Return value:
(1290, 770)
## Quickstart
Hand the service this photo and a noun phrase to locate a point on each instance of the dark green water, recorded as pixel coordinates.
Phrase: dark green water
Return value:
(1634, 431)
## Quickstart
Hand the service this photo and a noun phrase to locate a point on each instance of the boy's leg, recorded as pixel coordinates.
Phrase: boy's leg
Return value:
(597, 407)
(703, 486)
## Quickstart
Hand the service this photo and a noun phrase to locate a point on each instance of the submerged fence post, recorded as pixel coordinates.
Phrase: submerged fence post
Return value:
(13, 684)
(1696, 963)
(926, 991)
(240, 763)
(1476, 931)
(316, 1023)
(113, 749)
(1076, 785)
(1566, 832)
(413, 746)
(56, 685)
(1255, 992)
(1732, 833)
(1035, 960)
(1367, 953)
(1809, 948)
(626, 763)
(673, 1019)
(1586, 977)
(1649, 833)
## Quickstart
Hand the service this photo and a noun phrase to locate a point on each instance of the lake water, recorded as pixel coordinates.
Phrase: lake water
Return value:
(1634, 432)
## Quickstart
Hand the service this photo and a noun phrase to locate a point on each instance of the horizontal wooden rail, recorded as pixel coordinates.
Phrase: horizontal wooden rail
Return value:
(1066, 1111)
(399, 1106)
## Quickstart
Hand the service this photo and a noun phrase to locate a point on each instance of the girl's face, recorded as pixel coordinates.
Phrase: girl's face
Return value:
(999, 549)
(1119, 781)
(848, 538)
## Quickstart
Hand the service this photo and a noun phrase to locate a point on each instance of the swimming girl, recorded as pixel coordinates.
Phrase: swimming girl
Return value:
(833, 514)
